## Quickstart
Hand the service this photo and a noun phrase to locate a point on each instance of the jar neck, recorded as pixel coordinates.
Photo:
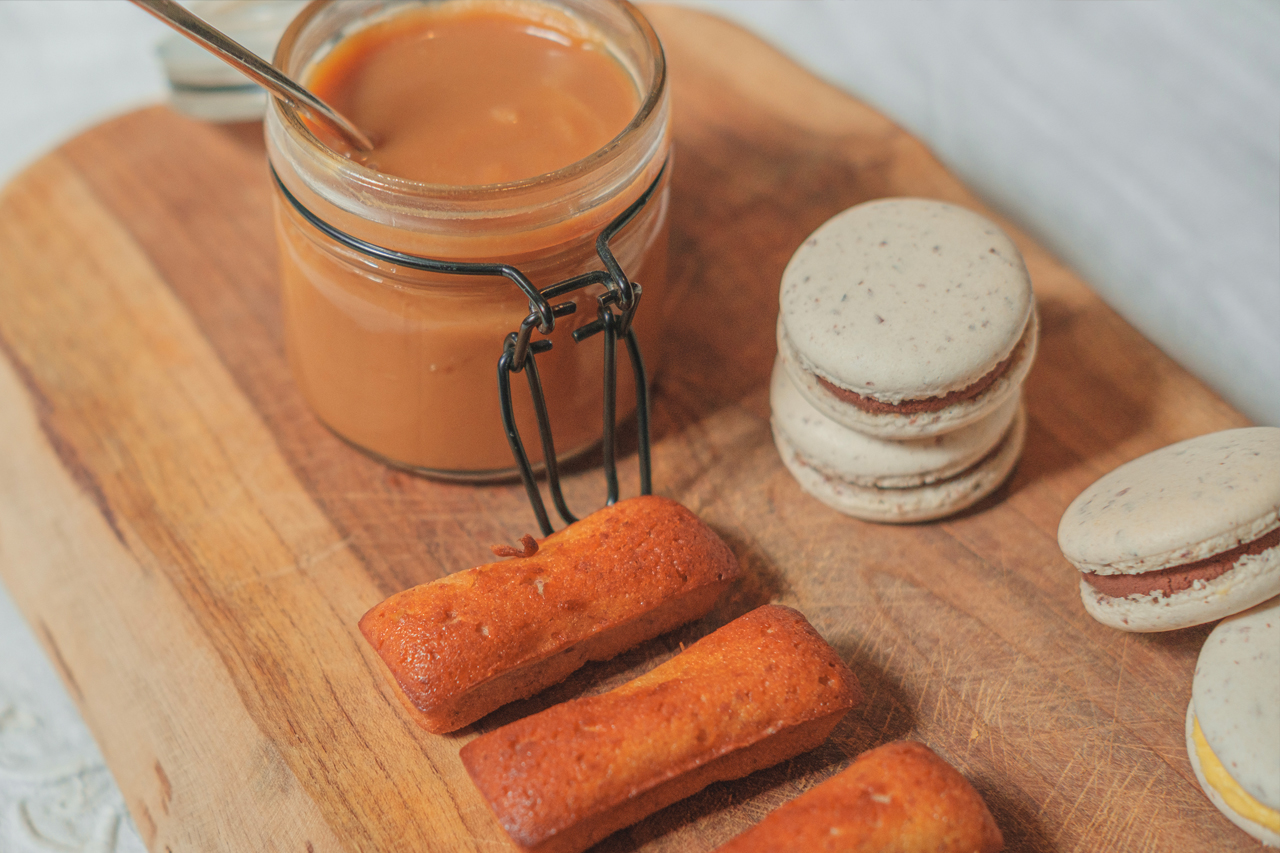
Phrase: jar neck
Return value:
(441, 220)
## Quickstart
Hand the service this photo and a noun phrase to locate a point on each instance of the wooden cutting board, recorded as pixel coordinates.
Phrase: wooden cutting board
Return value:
(193, 549)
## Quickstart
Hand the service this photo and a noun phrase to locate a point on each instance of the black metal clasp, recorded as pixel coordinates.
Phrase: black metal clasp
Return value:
(615, 311)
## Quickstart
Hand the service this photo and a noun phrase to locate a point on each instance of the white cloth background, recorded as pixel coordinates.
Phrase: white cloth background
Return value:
(1140, 142)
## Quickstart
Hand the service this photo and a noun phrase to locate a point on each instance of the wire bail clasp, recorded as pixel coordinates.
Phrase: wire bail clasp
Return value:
(615, 311)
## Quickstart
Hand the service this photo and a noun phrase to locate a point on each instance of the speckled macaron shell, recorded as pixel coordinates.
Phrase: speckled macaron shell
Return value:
(913, 425)
(904, 299)
(1176, 505)
(1236, 694)
(1257, 830)
(864, 460)
(934, 497)
(1255, 578)
(1236, 698)
(921, 503)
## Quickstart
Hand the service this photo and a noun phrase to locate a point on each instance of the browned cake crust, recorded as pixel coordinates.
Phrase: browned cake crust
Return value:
(898, 798)
(464, 645)
(758, 691)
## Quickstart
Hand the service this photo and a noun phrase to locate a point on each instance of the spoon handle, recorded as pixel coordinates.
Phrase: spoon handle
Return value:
(254, 67)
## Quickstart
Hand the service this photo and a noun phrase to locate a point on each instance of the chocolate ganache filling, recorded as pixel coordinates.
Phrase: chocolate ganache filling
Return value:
(1179, 578)
(926, 404)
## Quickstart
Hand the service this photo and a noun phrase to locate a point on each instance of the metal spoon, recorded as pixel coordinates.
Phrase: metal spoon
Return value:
(255, 68)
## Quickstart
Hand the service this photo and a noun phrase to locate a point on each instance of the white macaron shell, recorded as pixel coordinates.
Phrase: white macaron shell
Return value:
(1176, 505)
(1255, 578)
(903, 299)
(905, 426)
(1257, 830)
(920, 503)
(1236, 696)
(862, 459)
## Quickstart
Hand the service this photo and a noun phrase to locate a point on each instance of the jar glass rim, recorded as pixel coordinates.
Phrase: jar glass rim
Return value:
(291, 116)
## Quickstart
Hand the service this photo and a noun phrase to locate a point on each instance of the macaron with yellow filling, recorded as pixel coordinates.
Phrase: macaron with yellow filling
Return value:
(1233, 721)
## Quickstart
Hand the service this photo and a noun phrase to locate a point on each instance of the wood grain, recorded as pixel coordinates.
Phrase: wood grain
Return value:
(193, 548)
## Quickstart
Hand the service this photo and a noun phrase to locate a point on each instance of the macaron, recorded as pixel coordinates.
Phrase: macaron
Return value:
(893, 481)
(1233, 720)
(906, 317)
(1181, 536)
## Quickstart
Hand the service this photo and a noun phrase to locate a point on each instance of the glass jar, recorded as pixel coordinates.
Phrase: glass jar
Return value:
(203, 85)
(402, 363)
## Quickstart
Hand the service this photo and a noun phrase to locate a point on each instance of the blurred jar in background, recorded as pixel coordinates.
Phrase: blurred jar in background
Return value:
(205, 87)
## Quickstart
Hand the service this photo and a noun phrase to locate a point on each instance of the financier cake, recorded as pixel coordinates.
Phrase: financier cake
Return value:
(1184, 535)
(899, 797)
(464, 645)
(758, 691)
(907, 317)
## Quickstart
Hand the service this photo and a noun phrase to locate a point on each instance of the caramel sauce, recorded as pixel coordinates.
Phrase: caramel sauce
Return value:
(403, 363)
(477, 93)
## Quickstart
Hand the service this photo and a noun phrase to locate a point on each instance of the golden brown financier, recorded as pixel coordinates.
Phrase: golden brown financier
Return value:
(898, 798)
(464, 645)
(760, 690)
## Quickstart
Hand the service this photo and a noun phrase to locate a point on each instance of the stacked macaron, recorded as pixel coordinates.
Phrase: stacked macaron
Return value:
(906, 328)
(1184, 535)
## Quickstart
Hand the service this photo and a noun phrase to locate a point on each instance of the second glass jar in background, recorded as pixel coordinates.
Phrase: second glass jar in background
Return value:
(403, 363)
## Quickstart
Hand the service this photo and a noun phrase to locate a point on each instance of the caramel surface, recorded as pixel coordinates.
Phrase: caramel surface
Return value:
(465, 94)
(477, 93)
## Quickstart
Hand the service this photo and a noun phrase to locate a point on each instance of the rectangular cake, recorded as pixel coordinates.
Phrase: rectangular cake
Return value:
(464, 645)
(900, 797)
(760, 690)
